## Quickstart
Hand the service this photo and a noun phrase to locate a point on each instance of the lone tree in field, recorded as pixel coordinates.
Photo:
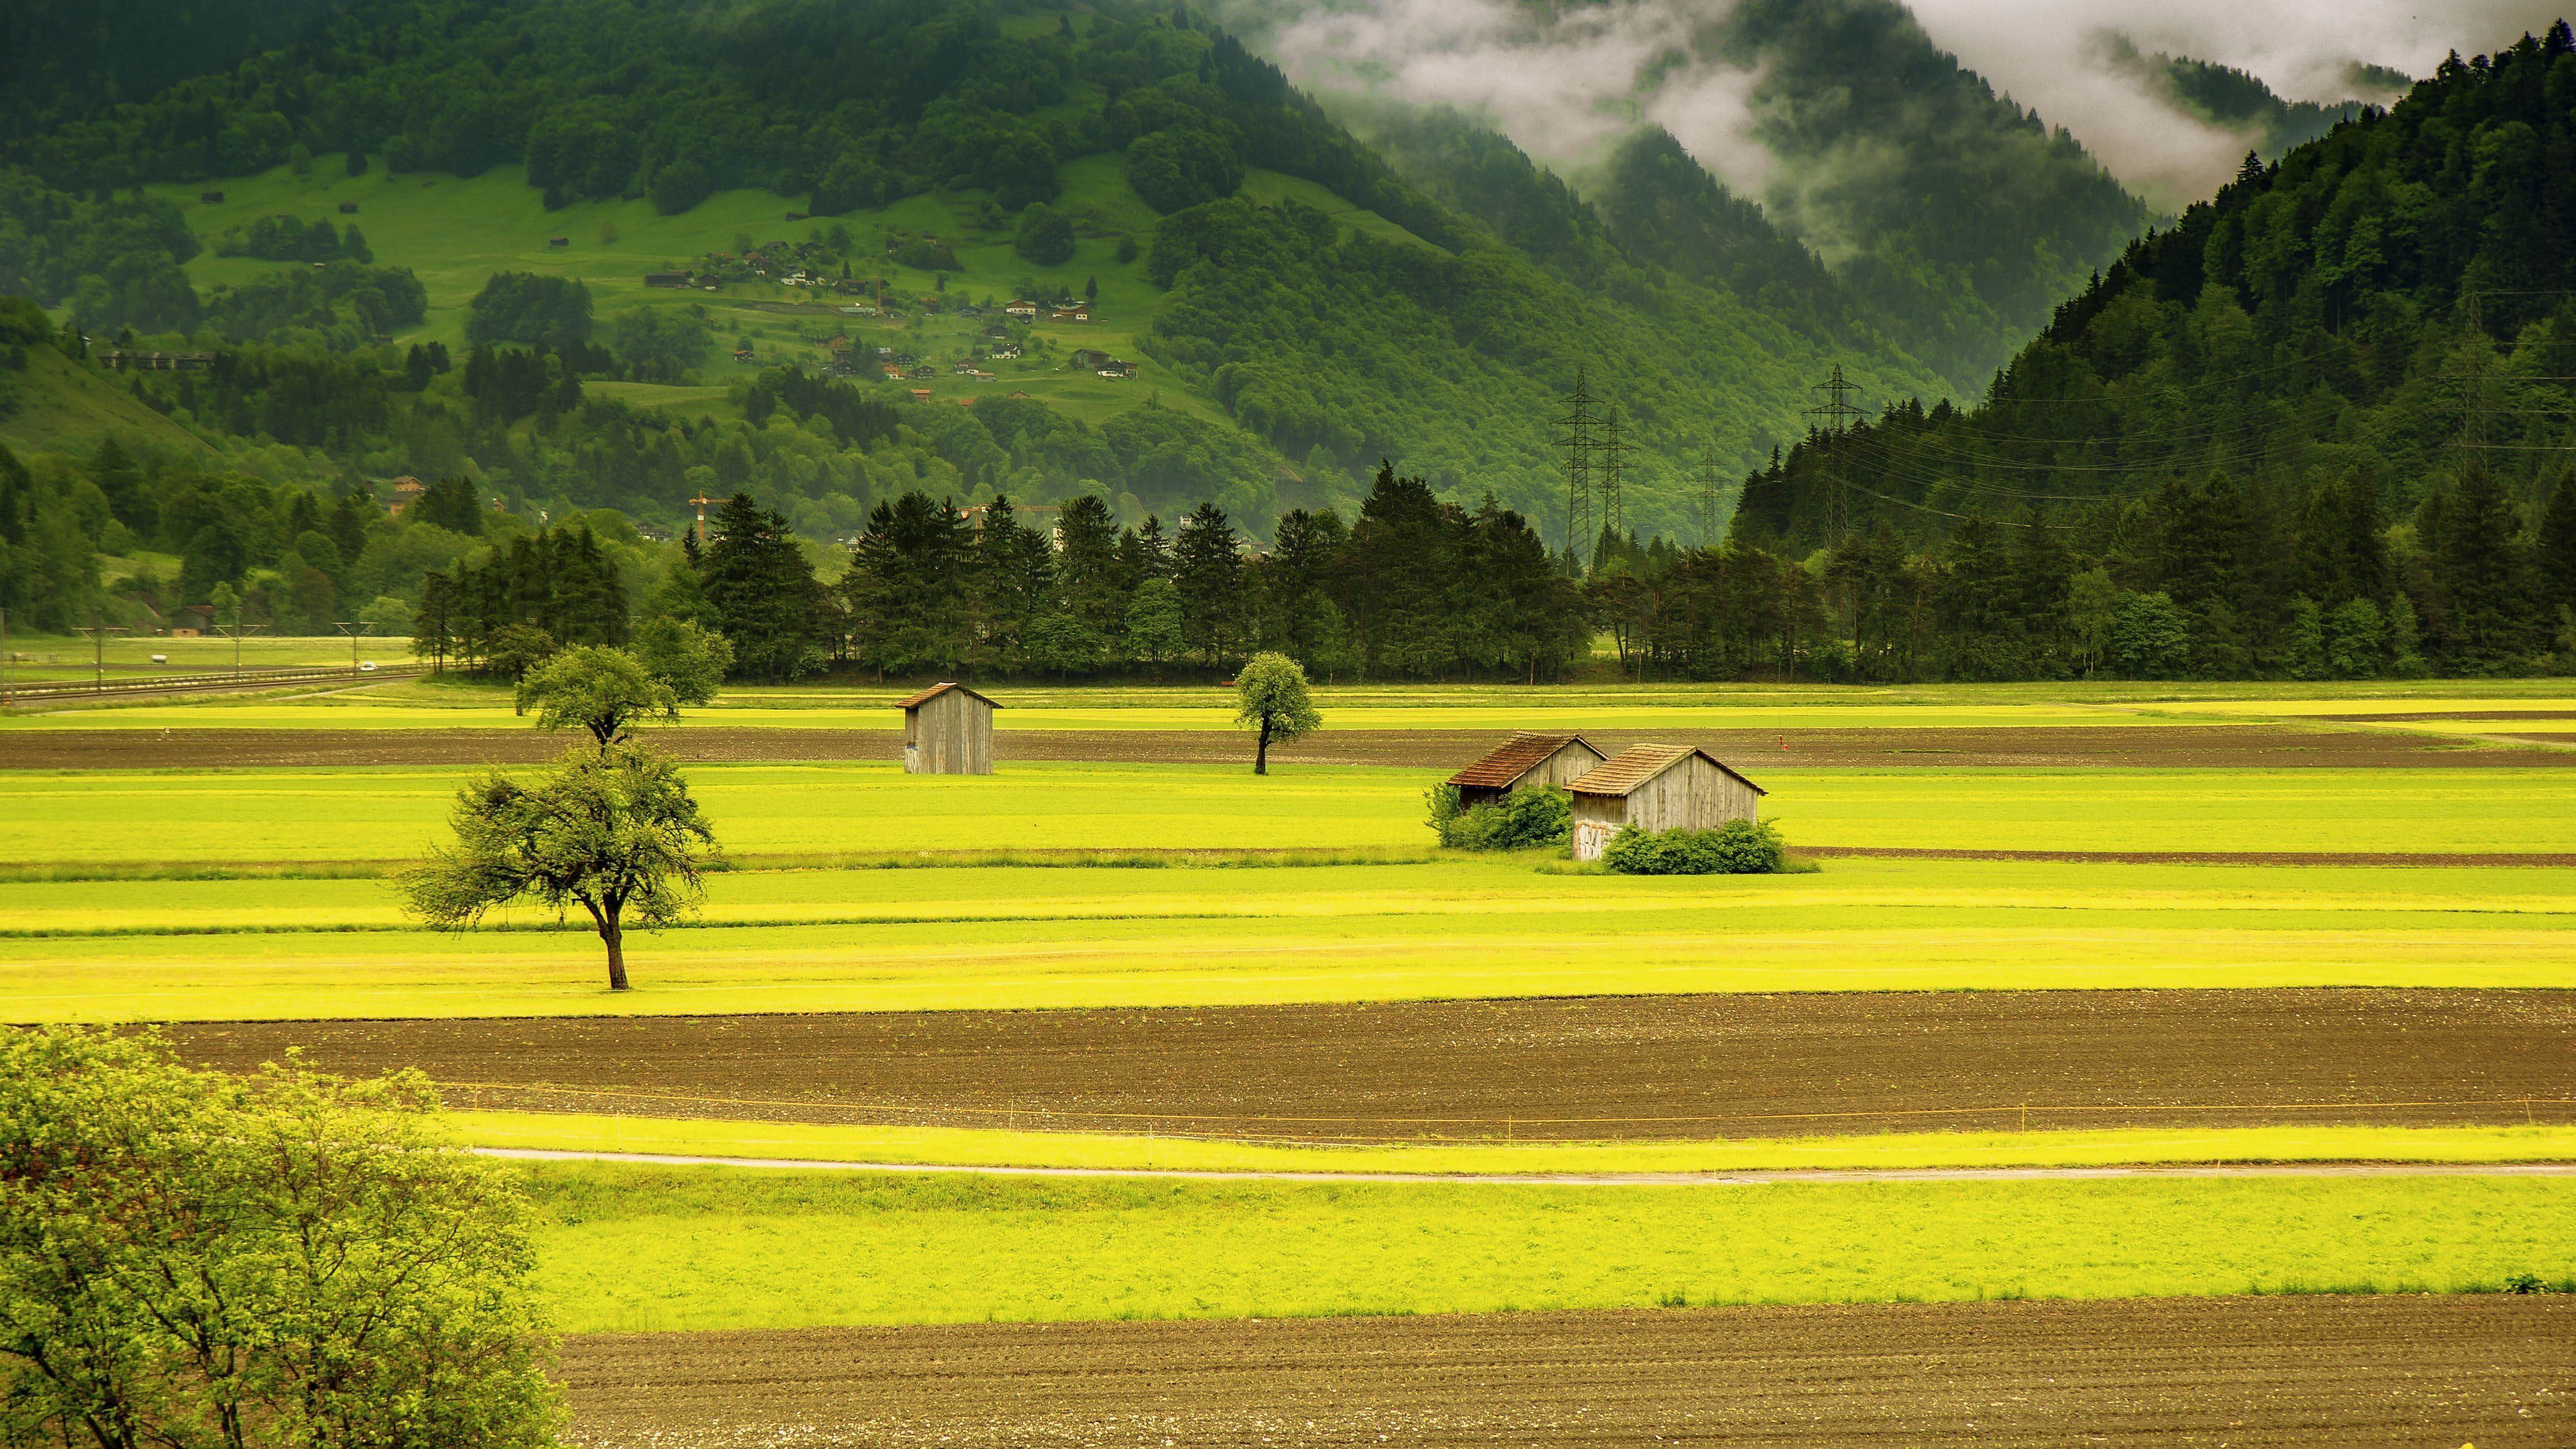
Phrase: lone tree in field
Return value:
(285, 1261)
(1272, 691)
(615, 833)
(606, 690)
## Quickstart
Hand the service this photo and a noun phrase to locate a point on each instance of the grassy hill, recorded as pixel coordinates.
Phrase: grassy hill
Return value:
(58, 406)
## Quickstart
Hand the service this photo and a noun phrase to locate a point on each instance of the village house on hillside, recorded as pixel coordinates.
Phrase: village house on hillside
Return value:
(1526, 759)
(1658, 787)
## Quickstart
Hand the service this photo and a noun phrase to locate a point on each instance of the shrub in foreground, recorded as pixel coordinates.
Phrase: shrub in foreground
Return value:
(1739, 847)
(287, 1261)
(1540, 815)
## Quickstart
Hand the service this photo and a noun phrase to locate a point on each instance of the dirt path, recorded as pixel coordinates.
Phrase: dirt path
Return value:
(2249, 1373)
(1589, 1068)
(1758, 1177)
(2249, 746)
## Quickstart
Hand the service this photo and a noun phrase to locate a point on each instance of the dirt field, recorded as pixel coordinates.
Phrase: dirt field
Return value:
(2431, 1372)
(1658, 1067)
(2250, 746)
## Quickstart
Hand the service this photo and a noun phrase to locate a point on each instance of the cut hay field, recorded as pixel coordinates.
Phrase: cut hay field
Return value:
(986, 937)
(626, 1248)
(209, 821)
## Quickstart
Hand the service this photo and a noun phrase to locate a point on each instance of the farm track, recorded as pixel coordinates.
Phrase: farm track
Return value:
(1582, 1069)
(2248, 746)
(2249, 1372)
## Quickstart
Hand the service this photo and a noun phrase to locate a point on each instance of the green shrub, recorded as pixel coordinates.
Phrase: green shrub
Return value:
(1541, 815)
(1739, 847)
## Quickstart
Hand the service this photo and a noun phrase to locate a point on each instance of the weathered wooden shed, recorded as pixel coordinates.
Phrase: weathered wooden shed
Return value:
(948, 730)
(1526, 759)
(1658, 787)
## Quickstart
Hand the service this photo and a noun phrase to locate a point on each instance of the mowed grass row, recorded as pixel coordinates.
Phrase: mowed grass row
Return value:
(453, 702)
(1031, 937)
(1093, 1147)
(626, 1248)
(209, 820)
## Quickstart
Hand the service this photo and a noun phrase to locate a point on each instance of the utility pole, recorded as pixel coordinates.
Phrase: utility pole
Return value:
(1705, 481)
(1837, 414)
(98, 631)
(355, 631)
(702, 500)
(234, 632)
(1575, 437)
(1613, 475)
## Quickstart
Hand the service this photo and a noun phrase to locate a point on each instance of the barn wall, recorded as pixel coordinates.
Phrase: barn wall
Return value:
(951, 734)
(1565, 766)
(1596, 819)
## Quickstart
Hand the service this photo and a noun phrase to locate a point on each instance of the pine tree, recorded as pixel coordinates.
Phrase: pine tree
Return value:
(2478, 565)
(2556, 554)
(763, 590)
(2304, 651)
(1207, 568)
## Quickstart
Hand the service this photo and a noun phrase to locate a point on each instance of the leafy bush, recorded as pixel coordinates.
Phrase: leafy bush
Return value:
(1540, 815)
(1045, 236)
(1739, 847)
(525, 307)
(1181, 167)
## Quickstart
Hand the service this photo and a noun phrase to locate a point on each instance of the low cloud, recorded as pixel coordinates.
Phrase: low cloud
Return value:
(1564, 81)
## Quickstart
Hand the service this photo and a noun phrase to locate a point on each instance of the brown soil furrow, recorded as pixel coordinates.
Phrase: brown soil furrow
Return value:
(1636, 1068)
(2442, 716)
(2418, 1371)
(2123, 746)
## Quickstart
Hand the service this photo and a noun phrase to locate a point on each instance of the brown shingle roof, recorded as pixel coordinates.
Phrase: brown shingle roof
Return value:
(936, 690)
(1516, 757)
(1637, 764)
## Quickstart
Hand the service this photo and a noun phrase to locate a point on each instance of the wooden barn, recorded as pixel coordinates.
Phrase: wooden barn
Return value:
(948, 730)
(1525, 759)
(1658, 787)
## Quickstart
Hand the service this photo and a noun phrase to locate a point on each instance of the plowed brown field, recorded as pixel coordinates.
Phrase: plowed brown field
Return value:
(2306, 1372)
(1651, 1067)
(2251, 746)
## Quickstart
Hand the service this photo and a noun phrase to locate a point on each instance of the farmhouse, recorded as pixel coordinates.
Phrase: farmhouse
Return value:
(1658, 787)
(1525, 759)
(948, 730)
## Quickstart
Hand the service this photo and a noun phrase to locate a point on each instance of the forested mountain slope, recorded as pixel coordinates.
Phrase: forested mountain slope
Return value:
(2373, 331)
(1404, 325)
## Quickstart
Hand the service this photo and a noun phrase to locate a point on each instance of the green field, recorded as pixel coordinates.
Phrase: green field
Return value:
(1039, 1145)
(989, 937)
(629, 1249)
(213, 819)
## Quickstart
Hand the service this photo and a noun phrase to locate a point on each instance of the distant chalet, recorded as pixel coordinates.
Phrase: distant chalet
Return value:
(1658, 787)
(948, 730)
(1526, 759)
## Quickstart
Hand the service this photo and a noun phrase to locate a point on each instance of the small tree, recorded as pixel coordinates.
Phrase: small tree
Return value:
(688, 657)
(193, 1259)
(612, 832)
(598, 689)
(514, 649)
(1272, 692)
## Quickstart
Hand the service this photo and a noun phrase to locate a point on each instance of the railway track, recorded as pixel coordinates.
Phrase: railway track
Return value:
(225, 681)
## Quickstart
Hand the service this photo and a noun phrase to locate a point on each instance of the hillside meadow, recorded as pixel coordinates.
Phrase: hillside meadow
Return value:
(627, 1249)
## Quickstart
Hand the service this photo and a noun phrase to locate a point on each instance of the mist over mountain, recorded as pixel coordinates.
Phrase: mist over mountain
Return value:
(1565, 81)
